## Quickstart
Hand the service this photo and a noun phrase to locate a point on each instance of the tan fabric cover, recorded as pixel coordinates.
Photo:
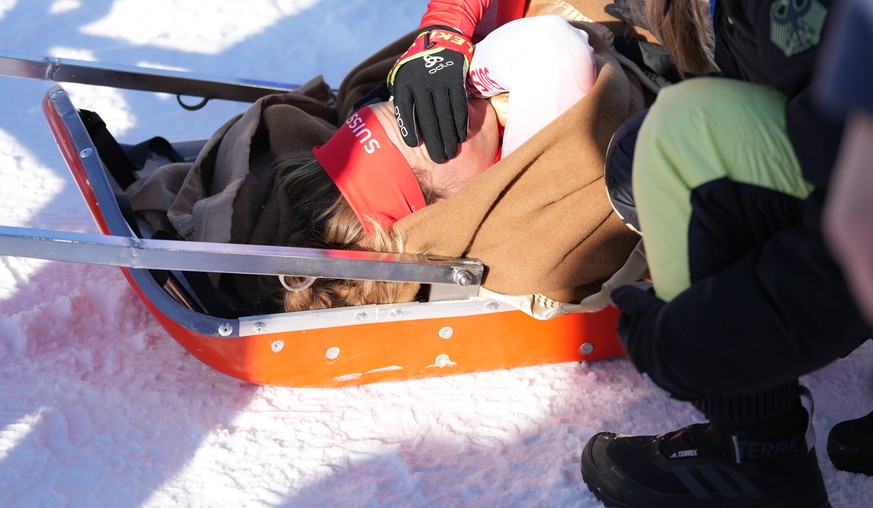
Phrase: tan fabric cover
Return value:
(561, 238)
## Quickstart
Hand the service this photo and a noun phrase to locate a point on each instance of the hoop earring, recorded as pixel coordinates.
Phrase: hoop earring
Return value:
(296, 287)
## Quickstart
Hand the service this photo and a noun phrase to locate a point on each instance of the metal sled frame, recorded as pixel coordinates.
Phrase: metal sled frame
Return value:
(455, 332)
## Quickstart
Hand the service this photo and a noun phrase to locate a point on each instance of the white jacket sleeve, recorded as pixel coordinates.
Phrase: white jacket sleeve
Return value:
(544, 63)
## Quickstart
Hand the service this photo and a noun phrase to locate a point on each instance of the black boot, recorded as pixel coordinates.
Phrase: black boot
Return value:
(705, 465)
(850, 445)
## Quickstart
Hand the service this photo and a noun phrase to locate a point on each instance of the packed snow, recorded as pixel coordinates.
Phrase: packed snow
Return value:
(99, 406)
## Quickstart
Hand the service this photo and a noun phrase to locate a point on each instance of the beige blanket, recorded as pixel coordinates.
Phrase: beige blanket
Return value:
(540, 219)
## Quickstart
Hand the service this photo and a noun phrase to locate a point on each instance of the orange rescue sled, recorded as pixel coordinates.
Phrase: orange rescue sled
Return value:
(453, 332)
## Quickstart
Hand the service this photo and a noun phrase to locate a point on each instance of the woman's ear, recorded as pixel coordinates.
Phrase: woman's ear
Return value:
(306, 293)
(292, 283)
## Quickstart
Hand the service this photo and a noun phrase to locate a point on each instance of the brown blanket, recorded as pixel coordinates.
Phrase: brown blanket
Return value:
(540, 219)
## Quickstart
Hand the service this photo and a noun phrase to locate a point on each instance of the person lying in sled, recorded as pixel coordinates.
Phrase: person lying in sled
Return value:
(366, 178)
(538, 218)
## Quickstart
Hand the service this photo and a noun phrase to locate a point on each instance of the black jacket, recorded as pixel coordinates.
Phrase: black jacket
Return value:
(770, 43)
(783, 309)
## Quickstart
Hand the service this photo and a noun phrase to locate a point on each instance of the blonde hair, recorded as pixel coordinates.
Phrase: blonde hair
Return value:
(686, 33)
(320, 217)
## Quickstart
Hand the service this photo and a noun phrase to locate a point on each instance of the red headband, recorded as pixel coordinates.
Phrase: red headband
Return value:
(370, 171)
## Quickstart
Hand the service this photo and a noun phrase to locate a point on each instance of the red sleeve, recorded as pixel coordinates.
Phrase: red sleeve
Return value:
(462, 15)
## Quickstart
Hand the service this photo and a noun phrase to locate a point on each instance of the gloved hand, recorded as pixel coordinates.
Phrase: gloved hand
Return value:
(430, 97)
(639, 331)
(636, 326)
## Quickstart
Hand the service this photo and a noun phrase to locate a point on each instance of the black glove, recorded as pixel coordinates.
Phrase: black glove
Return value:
(636, 326)
(639, 331)
(430, 97)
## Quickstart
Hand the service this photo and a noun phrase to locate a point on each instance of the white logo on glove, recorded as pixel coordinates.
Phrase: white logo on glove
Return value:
(403, 130)
(430, 60)
(441, 67)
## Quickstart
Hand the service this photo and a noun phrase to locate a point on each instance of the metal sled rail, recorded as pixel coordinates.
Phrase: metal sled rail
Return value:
(65, 70)
(131, 252)
(88, 172)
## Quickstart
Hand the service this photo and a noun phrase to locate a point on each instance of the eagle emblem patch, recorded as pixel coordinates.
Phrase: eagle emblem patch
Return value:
(795, 25)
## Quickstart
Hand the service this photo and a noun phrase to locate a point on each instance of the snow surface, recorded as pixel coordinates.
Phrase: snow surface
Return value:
(99, 406)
